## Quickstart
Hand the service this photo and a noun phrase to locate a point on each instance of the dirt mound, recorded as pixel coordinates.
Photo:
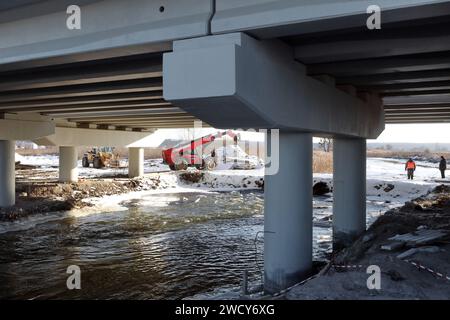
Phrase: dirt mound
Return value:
(192, 176)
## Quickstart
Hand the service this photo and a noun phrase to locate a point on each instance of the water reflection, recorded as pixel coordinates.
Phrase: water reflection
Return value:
(164, 246)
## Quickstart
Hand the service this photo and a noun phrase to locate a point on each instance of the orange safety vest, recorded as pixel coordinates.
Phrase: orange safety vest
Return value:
(410, 165)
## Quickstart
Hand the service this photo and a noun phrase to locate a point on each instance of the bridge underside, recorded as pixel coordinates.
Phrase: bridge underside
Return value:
(408, 65)
(119, 85)
(114, 93)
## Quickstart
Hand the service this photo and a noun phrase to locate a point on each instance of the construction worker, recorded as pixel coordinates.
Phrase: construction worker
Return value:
(443, 166)
(410, 167)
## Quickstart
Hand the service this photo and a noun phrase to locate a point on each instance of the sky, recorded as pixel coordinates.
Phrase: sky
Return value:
(405, 133)
(415, 133)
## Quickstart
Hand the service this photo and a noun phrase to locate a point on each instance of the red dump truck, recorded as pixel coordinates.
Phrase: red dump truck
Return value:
(197, 153)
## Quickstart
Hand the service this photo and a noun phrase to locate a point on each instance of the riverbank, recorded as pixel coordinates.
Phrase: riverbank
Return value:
(39, 192)
(414, 269)
(45, 197)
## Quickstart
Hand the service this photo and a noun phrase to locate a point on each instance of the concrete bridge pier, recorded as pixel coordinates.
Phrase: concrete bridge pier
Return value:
(261, 85)
(288, 213)
(68, 164)
(135, 162)
(349, 190)
(7, 173)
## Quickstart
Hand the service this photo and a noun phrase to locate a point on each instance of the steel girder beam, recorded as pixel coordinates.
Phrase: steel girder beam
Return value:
(142, 120)
(131, 117)
(407, 87)
(82, 74)
(108, 98)
(90, 106)
(421, 99)
(417, 121)
(397, 77)
(84, 90)
(417, 106)
(440, 60)
(363, 44)
(418, 112)
(124, 111)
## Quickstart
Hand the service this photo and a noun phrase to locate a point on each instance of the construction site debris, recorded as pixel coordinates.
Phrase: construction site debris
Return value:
(412, 251)
(419, 237)
(392, 246)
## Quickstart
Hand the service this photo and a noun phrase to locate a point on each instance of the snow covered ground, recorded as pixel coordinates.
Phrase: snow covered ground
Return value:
(387, 186)
(381, 173)
(386, 180)
(51, 163)
(394, 170)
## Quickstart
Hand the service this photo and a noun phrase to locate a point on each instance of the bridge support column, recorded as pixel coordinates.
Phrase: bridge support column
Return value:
(288, 213)
(68, 164)
(349, 190)
(135, 162)
(7, 174)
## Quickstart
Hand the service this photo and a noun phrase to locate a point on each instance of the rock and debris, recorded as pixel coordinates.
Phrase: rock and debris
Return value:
(408, 253)
(20, 166)
(386, 187)
(191, 176)
(419, 237)
(320, 188)
(218, 180)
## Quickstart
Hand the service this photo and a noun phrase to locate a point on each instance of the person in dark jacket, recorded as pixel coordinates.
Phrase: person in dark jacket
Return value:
(410, 167)
(443, 166)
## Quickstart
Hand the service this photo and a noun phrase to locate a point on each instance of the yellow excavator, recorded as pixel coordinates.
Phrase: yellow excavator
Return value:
(100, 158)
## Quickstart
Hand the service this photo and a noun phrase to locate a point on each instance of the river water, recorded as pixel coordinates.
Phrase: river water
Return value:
(164, 246)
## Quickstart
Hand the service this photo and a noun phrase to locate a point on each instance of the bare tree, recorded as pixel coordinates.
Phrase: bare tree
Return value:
(325, 144)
